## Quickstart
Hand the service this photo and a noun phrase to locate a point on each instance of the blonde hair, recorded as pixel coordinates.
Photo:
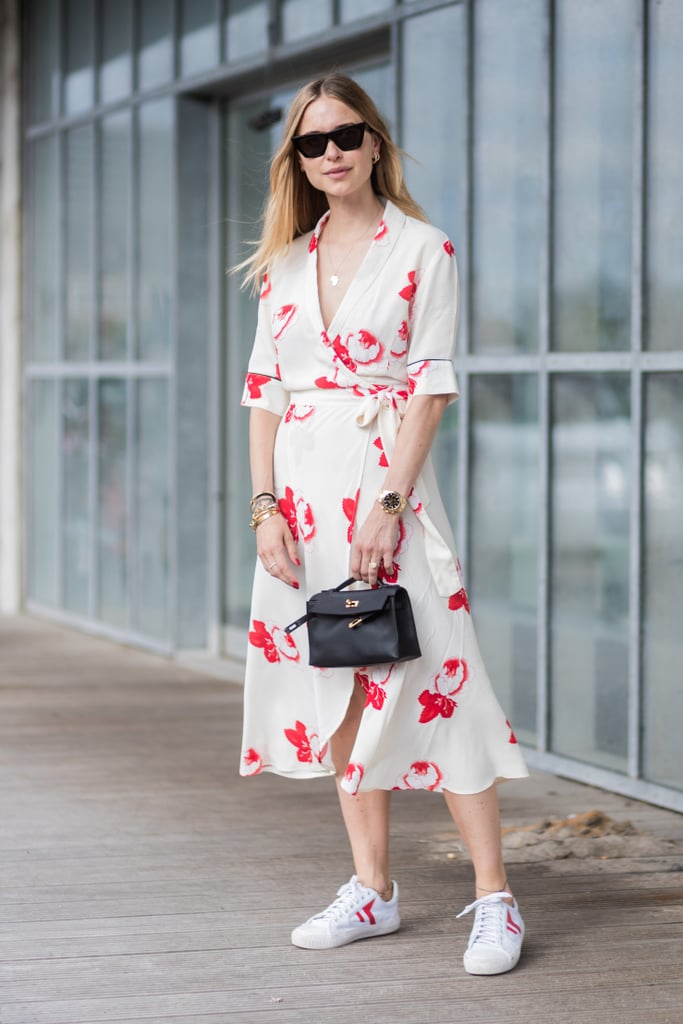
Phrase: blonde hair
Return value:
(294, 207)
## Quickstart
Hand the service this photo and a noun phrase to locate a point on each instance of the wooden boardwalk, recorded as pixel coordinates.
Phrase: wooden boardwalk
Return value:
(143, 881)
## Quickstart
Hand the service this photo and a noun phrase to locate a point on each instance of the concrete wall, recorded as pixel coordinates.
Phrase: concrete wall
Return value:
(10, 308)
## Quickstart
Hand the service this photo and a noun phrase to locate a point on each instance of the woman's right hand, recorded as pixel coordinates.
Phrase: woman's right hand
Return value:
(276, 549)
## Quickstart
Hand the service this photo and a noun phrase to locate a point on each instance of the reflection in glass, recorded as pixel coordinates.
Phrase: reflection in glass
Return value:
(155, 48)
(113, 236)
(663, 579)
(352, 9)
(43, 60)
(78, 244)
(593, 162)
(304, 18)
(76, 543)
(43, 476)
(434, 114)
(589, 585)
(155, 228)
(79, 79)
(664, 220)
(115, 61)
(199, 40)
(507, 164)
(503, 555)
(152, 499)
(112, 532)
(43, 248)
(246, 28)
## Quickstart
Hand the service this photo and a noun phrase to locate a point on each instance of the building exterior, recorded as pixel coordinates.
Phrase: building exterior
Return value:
(544, 137)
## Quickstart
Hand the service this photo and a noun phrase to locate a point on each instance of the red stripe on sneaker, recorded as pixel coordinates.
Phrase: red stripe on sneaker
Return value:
(512, 926)
(367, 910)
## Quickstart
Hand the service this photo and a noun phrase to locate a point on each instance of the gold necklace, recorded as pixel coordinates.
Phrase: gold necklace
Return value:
(334, 276)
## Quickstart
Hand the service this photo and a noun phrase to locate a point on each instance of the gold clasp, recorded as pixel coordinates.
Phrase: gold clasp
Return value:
(351, 604)
(355, 622)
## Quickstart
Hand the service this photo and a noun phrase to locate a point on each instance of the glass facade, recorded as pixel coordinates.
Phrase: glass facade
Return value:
(542, 137)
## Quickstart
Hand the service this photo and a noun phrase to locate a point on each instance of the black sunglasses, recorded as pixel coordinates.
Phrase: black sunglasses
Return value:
(349, 136)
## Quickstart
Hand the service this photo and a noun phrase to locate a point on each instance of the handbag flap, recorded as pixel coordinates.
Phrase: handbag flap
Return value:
(351, 603)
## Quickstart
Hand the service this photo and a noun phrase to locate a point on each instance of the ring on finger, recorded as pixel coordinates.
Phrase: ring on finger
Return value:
(372, 565)
(269, 567)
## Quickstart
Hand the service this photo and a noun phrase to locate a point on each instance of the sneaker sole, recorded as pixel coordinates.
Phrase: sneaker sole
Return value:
(326, 941)
(491, 968)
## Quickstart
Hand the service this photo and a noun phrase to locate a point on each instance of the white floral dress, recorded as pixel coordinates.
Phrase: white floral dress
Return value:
(433, 723)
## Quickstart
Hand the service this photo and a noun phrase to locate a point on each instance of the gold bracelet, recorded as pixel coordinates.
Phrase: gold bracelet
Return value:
(254, 502)
(260, 517)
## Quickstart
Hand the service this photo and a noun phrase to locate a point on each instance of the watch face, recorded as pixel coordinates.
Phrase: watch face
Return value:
(391, 501)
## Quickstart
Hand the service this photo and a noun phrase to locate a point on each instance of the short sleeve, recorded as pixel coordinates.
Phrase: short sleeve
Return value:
(263, 387)
(434, 327)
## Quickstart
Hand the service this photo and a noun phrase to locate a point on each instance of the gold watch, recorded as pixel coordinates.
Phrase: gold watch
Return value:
(392, 502)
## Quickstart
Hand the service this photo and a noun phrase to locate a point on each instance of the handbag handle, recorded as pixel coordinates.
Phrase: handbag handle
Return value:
(304, 618)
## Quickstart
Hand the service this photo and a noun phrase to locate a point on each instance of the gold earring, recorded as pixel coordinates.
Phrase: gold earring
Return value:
(375, 157)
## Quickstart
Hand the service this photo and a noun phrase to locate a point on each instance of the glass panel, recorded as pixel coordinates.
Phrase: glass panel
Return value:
(593, 163)
(76, 548)
(114, 236)
(43, 61)
(43, 249)
(155, 52)
(378, 82)
(199, 40)
(155, 228)
(507, 233)
(664, 223)
(112, 532)
(115, 40)
(445, 459)
(435, 114)
(152, 502)
(589, 585)
(246, 28)
(248, 155)
(302, 18)
(78, 244)
(663, 579)
(352, 9)
(503, 557)
(79, 79)
(43, 492)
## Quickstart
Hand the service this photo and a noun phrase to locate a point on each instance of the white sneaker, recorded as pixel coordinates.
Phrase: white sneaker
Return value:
(496, 938)
(357, 913)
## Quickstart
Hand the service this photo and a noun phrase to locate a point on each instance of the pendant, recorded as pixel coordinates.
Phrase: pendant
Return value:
(334, 280)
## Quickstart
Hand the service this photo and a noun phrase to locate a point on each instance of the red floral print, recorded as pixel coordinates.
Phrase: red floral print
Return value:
(447, 683)
(353, 776)
(374, 691)
(363, 348)
(325, 383)
(282, 320)
(410, 291)
(308, 746)
(400, 344)
(403, 535)
(255, 382)
(448, 247)
(349, 507)
(340, 351)
(513, 738)
(416, 372)
(459, 600)
(421, 775)
(381, 231)
(299, 515)
(274, 642)
(383, 460)
(313, 244)
(298, 413)
(251, 762)
(266, 287)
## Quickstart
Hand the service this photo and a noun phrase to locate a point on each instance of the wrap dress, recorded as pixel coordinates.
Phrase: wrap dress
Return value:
(433, 723)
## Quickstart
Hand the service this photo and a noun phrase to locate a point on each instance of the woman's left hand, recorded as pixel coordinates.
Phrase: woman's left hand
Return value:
(373, 545)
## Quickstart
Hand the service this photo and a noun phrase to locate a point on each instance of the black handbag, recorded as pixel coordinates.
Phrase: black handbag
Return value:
(360, 627)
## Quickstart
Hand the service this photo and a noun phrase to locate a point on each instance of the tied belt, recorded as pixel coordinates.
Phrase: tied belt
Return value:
(386, 408)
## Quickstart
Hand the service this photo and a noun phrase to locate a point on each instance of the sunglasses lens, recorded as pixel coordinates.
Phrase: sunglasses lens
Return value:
(349, 138)
(315, 144)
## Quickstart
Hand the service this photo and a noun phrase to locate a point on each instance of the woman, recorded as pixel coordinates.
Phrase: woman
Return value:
(349, 376)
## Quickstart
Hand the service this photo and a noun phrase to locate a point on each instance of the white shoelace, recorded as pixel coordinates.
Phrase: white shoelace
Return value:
(345, 903)
(488, 921)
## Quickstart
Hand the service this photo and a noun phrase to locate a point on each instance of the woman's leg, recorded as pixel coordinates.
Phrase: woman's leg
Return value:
(366, 815)
(477, 818)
